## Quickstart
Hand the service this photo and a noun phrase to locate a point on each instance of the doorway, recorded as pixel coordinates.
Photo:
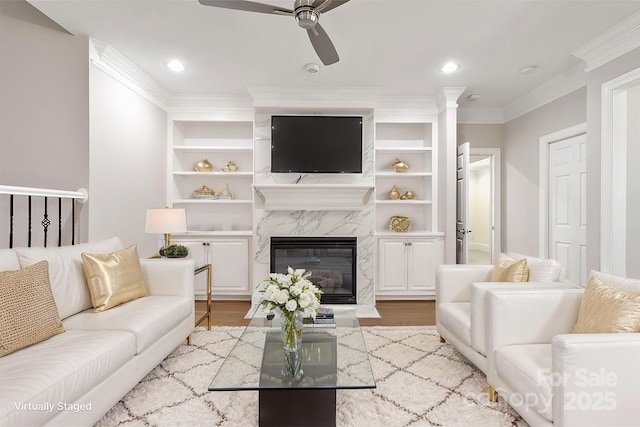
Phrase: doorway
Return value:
(620, 188)
(478, 228)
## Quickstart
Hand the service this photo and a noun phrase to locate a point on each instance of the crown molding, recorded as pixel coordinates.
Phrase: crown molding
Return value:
(480, 115)
(228, 106)
(549, 91)
(448, 97)
(305, 97)
(611, 44)
(106, 58)
(406, 109)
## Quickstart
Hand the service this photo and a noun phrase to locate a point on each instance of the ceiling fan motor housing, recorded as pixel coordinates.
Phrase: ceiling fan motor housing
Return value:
(306, 16)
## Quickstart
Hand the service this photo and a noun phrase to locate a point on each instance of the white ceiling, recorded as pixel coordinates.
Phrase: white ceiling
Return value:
(395, 45)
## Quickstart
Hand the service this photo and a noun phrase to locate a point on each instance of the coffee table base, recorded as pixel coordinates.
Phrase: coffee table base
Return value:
(297, 407)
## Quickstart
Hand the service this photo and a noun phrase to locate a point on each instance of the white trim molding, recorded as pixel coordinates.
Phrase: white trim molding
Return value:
(106, 58)
(613, 43)
(320, 197)
(543, 182)
(554, 88)
(448, 97)
(613, 173)
(313, 98)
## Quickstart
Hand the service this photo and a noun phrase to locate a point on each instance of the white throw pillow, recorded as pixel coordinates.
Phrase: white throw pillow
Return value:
(616, 281)
(544, 270)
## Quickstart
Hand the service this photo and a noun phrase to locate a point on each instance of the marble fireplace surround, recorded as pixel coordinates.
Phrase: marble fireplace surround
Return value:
(356, 221)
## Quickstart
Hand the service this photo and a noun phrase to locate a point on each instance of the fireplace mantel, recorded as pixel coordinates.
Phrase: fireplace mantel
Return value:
(314, 197)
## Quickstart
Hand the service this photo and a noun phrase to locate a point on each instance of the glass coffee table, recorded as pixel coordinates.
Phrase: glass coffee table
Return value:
(333, 357)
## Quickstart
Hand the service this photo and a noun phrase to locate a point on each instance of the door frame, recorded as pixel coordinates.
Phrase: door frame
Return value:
(543, 182)
(496, 200)
(613, 176)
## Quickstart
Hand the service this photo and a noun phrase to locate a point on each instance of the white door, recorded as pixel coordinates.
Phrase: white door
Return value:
(462, 209)
(567, 205)
(392, 273)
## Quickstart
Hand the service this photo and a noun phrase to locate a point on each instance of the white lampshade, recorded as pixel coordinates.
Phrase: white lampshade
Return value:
(164, 221)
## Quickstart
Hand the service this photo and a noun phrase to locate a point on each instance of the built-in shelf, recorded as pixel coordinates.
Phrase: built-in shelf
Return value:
(409, 234)
(207, 148)
(201, 233)
(401, 174)
(225, 174)
(404, 150)
(404, 202)
(318, 197)
(214, 201)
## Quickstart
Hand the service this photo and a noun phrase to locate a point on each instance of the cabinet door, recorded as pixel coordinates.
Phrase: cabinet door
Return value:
(197, 252)
(392, 273)
(422, 261)
(229, 259)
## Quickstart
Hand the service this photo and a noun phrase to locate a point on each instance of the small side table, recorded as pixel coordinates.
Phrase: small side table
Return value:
(207, 315)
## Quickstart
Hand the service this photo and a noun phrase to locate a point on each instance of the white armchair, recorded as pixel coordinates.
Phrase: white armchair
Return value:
(552, 377)
(460, 302)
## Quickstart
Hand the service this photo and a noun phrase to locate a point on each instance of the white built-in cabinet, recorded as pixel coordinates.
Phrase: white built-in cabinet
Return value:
(218, 230)
(229, 259)
(407, 261)
(407, 266)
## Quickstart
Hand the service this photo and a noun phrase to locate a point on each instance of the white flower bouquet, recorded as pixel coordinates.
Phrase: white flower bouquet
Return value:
(292, 297)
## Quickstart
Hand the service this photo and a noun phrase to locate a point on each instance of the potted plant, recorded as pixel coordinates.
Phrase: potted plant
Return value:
(175, 251)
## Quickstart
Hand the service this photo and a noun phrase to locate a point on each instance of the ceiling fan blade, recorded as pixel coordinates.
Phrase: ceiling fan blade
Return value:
(323, 45)
(248, 6)
(323, 6)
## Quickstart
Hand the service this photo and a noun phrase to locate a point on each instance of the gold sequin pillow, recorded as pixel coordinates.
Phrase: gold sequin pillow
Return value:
(606, 309)
(28, 312)
(510, 270)
(114, 278)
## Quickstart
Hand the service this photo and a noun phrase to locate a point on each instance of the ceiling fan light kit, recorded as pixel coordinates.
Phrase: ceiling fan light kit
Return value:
(306, 13)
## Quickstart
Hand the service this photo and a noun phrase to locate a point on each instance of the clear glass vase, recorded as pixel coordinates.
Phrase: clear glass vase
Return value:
(292, 324)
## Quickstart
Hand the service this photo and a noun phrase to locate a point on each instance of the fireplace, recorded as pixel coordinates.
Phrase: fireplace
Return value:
(332, 261)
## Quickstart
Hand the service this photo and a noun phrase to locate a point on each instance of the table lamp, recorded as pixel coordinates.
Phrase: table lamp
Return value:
(166, 221)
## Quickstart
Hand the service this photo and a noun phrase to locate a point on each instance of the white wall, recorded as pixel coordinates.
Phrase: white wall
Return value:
(128, 162)
(44, 107)
(521, 167)
(595, 79)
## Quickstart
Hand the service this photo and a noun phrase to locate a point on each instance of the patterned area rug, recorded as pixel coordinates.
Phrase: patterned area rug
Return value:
(420, 382)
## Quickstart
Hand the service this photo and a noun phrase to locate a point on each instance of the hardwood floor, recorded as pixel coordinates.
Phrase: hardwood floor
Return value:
(394, 313)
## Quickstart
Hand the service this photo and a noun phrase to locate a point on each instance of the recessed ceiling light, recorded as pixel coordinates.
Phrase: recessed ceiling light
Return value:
(450, 67)
(175, 65)
(311, 68)
(528, 69)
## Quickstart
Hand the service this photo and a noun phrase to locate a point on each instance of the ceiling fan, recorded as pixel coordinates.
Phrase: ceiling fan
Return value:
(307, 14)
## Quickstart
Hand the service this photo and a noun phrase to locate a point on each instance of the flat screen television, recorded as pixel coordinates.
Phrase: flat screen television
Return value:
(316, 144)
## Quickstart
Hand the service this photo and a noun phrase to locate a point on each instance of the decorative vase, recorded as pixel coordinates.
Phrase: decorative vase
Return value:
(292, 325)
(400, 166)
(394, 194)
(203, 166)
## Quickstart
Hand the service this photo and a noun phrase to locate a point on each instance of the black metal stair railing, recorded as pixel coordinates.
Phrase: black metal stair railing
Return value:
(67, 205)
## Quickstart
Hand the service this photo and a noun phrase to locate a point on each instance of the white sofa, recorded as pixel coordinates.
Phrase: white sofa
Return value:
(553, 377)
(74, 378)
(460, 301)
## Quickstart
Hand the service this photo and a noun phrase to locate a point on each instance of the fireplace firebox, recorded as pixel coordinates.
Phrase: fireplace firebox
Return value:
(332, 261)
